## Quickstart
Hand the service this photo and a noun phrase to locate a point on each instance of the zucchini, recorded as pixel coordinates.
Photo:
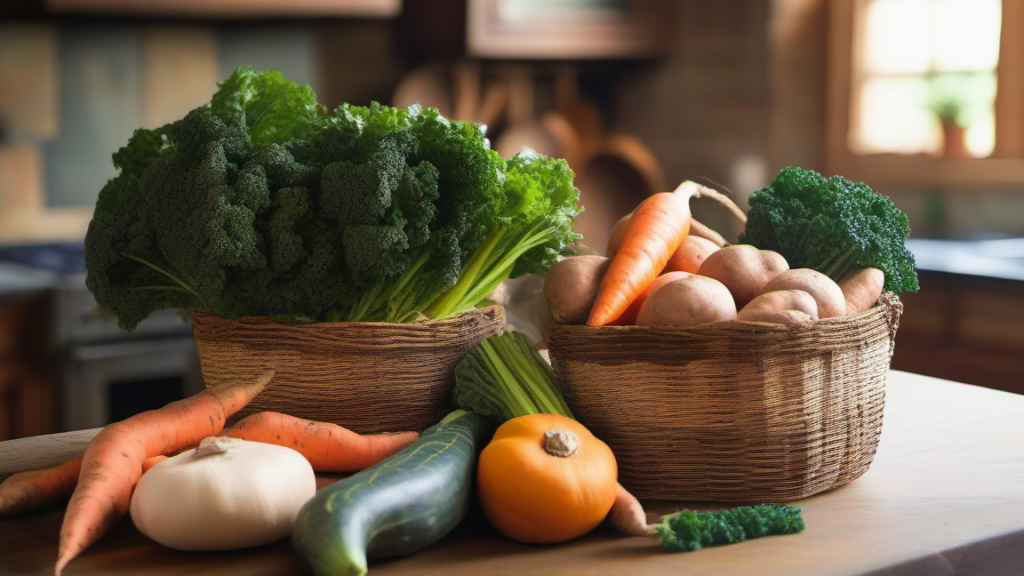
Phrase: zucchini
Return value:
(398, 506)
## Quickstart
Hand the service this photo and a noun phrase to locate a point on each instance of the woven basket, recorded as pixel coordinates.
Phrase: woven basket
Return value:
(367, 376)
(732, 411)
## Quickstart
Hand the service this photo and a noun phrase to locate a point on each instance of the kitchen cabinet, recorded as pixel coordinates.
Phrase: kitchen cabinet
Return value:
(28, 403)
(964, 327)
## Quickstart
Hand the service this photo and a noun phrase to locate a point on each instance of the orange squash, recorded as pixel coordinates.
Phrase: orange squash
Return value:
(545, 478)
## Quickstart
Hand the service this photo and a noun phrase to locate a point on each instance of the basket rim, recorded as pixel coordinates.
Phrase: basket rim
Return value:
(885, 305)
(492, 310)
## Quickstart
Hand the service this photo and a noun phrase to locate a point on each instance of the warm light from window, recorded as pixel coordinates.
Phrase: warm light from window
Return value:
(920, 60)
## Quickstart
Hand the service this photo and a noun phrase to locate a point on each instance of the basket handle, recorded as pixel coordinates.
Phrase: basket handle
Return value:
(893, 309)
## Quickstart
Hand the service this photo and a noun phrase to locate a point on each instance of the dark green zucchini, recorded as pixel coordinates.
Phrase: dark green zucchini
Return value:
(398, 506)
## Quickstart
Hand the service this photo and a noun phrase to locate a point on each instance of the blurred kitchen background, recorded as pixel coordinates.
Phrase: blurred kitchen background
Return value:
(921, 99)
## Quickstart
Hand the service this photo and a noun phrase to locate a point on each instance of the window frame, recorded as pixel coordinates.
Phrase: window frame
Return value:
(1004, 167)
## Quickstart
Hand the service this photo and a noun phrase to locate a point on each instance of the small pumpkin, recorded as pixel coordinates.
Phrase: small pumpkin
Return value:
(545, 478)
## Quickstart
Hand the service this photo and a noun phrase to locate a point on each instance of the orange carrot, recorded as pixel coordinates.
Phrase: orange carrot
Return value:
(328, 447)
(25, 491)
(652, 234)
(658, 226)
(627, 515)
(150, 462)
(696, 229)
(31, 489)
(113, 461)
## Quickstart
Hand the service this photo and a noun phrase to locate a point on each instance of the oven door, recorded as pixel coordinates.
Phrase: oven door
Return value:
(107, 382)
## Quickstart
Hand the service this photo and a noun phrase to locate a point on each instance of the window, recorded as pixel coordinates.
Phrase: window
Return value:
(926, 92)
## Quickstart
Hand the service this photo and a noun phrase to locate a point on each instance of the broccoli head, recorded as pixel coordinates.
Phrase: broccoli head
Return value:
(261, 203)
(831, 225)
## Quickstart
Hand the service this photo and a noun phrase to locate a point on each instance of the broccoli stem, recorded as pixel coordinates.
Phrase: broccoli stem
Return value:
(687, 530)
(516, 398)
(173, 278)
(489, 266)
(505, 374)
(448, 301)
(843, 265)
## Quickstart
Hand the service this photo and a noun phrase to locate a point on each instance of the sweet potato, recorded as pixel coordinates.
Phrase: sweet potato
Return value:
(787, 317)
(690, 255)
(744, 270)
(571, 285)
(777, 307)
(690, 299)
(862, 289)
(826, 293)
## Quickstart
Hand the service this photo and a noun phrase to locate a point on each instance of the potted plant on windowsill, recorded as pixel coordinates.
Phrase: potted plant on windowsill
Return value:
(949, 111)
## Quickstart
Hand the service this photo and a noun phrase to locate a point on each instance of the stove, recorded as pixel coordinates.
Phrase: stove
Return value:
(106, 373)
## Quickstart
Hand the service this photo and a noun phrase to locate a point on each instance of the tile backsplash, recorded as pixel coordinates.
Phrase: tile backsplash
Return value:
(72, 93)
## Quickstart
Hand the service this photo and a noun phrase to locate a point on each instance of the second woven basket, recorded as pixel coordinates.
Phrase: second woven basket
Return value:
(732, 411)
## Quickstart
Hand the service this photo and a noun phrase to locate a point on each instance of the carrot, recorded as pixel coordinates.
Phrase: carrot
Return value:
(150, 462)
(627, 515)
(655, 230)
(25, 491)
(696, 229)
(31, 489)
(327, 446)
(113, 461)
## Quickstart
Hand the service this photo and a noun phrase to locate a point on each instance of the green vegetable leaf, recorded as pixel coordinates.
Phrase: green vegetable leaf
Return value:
(270, 107)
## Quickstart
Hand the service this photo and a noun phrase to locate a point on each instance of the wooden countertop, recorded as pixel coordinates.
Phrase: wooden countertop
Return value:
(944, 496)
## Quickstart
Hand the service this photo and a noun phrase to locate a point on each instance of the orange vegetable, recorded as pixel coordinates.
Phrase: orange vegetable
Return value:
(328, 447)
(697, 229)
(658, 225)
(150, 462)
(25, 491)
(627, 515)
(690, 255)
(654, 231)
(544, 478)
(113, 461)
(31, 489)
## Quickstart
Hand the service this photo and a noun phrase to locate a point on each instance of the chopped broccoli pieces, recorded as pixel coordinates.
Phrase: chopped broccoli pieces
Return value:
(687, 530)
(831, 225)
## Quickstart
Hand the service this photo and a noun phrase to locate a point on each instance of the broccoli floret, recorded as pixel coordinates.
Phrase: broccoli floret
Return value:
(687, 530)
(291, 214)
(831, 225)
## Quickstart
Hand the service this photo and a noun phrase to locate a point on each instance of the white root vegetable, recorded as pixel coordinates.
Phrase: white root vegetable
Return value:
(226, 494)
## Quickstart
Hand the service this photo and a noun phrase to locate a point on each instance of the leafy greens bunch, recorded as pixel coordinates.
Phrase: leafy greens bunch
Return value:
(263, 203)
(831, 225)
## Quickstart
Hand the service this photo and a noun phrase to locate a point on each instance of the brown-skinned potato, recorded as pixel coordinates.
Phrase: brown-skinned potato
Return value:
(691, 299)
(772, 305)
(862, 289)
(826, 292)
(570, 287)
(690, 255)
(744, 270)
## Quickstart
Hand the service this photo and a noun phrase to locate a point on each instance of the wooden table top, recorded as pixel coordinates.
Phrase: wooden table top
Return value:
(944, 496)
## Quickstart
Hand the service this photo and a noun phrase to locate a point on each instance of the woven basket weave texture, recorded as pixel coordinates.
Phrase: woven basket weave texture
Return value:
(367, 376)
(732, 411)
